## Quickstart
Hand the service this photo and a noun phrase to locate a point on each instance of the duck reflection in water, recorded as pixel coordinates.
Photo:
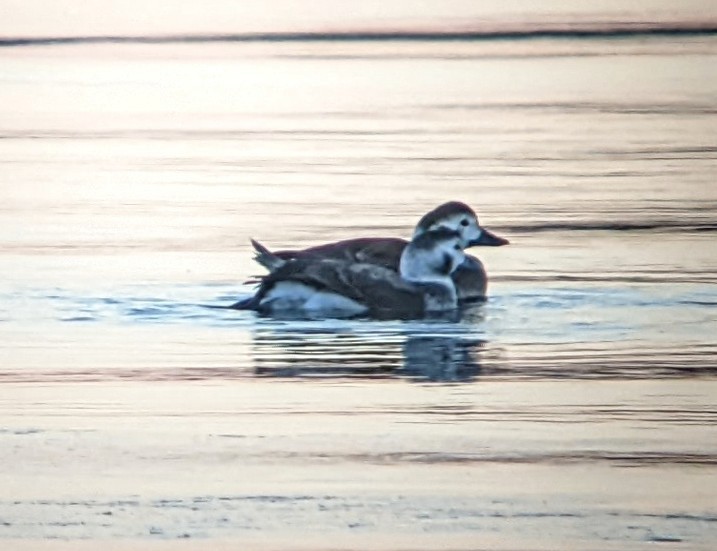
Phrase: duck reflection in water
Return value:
(283, 352)
(440, 358)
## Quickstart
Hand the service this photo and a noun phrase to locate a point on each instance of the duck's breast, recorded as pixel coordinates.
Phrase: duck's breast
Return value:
(471, 280)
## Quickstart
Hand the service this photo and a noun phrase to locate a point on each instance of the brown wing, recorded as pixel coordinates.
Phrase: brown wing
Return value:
(321, 274)
(384, 292)
(381, 290)
(385, 252)
(382, 251)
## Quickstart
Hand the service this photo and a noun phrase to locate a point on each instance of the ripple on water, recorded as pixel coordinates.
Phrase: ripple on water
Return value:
(534, 332)
(232, 516)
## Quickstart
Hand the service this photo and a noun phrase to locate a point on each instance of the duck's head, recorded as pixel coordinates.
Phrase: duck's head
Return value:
(432, 256)
(459, 217)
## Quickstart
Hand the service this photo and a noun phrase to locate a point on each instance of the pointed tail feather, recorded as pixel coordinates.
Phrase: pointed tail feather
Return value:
(265, 257)
(249, 303)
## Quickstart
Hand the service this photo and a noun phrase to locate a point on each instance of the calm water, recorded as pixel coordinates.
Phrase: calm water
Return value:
(575, 407)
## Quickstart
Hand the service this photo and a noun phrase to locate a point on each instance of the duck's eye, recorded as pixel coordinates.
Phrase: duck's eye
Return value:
(464, 222)
(457, 247)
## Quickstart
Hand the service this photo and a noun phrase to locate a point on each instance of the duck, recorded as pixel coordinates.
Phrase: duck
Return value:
(335, 287)
(470, 279)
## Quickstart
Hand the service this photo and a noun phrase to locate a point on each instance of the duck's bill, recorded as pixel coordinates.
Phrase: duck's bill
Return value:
(488, 239)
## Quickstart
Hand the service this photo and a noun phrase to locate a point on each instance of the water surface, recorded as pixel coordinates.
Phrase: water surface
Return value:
(576, 406)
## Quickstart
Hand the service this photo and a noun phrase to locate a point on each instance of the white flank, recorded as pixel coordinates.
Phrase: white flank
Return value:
(293, 296)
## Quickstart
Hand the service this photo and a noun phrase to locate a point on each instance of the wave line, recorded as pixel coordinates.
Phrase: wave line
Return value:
(618, 31)
(665, 226)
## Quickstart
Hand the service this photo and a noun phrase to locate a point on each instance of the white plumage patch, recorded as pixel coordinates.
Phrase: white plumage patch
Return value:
(292, 296)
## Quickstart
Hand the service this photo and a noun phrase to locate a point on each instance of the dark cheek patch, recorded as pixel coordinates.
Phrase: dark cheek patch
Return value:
(447, 264)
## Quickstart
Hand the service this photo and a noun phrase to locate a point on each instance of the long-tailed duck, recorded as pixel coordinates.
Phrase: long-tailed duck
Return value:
(345, 288)
(471, 279)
